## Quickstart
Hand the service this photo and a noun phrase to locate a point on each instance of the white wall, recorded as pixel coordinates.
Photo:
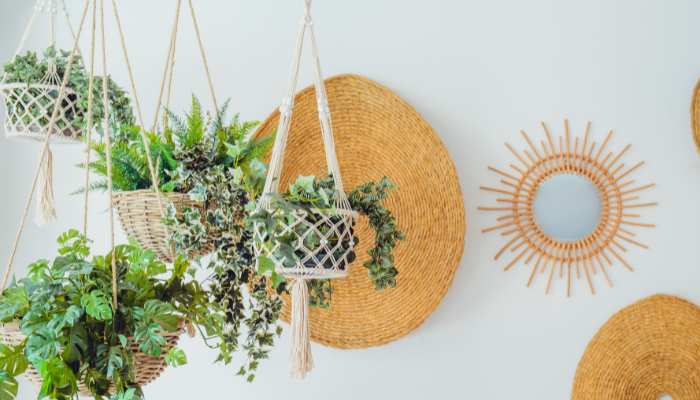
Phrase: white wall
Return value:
(478, 71)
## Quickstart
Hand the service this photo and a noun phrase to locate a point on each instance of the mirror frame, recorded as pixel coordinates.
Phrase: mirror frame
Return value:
(620, 202)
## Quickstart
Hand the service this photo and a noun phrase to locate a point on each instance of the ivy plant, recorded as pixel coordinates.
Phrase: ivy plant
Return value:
(29, 68)
(75, 334)
(309, 192)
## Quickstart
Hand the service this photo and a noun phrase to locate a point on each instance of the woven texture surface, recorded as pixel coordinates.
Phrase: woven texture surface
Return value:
(140, 217)
(29, 109)
(376, 134)
(147, 368)
(645, 350)
(695, 115)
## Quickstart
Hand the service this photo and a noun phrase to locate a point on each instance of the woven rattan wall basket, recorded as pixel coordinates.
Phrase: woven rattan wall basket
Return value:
(377, 133)
(695, 115)
(645, 351)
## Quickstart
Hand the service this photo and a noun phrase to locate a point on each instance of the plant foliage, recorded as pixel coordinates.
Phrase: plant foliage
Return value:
(75, 334)
(29, 68)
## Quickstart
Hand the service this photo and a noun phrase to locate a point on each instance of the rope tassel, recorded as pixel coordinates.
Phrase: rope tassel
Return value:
(301, 359)
(46, 210)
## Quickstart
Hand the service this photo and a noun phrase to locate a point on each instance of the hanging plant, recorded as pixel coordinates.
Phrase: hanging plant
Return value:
(31, 89)
(197, 142)
(73, 339)
(311, 198)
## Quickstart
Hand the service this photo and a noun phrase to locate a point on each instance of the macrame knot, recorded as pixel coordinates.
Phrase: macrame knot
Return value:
(302, 361)
(323, 107)
(286, 107)
(46, 211)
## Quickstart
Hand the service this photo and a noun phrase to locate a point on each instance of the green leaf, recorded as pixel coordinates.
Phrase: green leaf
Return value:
(128, 394)
(234, 150)
(164, 314)
(13, 304)
(43, 344)
(97, 305)
(306, 183)
(115, 362)
(12, 360)
(149, 338)
(176, 357)
(72, 315)
(8, 386)
(123, 341)
(265, 265)
(57, 377)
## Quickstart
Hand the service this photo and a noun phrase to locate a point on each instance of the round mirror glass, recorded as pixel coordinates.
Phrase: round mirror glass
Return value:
(664, 397)
(567, 207)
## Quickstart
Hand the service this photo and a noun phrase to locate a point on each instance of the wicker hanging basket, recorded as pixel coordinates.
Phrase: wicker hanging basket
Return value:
(140, 217)
(148, 368)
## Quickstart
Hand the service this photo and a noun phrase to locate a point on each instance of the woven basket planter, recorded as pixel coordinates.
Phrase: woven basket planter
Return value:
(330, 254)
(140, 217)
(10, 334)
(148, 368)
(29, 109)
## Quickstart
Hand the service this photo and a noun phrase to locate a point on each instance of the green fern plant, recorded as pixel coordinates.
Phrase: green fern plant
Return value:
(190, 143)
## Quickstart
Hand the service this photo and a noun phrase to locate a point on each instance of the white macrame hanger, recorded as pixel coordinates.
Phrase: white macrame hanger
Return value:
(286, 109)
(301, 358)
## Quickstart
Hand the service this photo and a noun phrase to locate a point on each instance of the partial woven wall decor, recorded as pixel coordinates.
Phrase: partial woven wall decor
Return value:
(695, 115)
(377, 133)
(645, 351)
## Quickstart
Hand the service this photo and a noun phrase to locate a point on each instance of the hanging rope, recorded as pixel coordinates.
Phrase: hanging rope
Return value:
(204, 57)
(46, 210)
(146, 144)
(108, 151)
(91, 96)
(170, 68)
(168, 61)
(301, 357)
(44, 150)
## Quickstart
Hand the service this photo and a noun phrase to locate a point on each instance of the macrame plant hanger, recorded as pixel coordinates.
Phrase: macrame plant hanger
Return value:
(167, 81)
(143, 229)
(148, 368)
(29, 107)
(341, 221)
(51, 131)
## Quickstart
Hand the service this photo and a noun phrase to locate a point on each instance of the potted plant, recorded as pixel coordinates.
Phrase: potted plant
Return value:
(194, 143)
(31, 87)
(70, 338)
(219, 172)
(280, 236)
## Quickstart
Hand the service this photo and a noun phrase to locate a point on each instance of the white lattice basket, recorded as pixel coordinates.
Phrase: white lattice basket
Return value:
(29, 108)
(323, 243)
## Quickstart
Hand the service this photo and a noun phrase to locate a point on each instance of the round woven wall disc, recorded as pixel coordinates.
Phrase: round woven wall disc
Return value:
(645, 351)
(695, 114)
(377, 134)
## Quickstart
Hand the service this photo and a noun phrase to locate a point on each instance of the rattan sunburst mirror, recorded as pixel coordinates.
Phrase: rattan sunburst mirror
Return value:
(568, 208)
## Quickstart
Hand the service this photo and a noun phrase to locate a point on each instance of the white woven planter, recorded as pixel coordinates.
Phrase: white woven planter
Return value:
(323, 244)
(29, 108)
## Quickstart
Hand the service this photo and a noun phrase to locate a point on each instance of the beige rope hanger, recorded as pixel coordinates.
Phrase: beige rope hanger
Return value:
(147, 368)
(44, 149)
(311, 264)
(135, 208)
